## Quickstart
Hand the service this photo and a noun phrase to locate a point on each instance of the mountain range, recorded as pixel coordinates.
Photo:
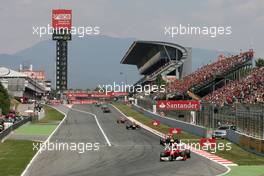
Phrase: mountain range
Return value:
(92, 61)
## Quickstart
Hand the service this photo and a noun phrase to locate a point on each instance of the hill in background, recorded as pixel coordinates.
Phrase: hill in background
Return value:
(92, 60)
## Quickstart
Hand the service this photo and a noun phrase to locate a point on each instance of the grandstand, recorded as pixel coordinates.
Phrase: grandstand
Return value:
(154, 58)
(213, 76)
(173, 63)
(249, 90)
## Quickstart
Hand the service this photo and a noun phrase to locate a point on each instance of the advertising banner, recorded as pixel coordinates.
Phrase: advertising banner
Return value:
(78, 94)
(61, 18)
(39, 75)
(117, 94)
(175, 130)
(187, 105)
(208, 142)
(83, 101)
(155, 123)
(101, 95)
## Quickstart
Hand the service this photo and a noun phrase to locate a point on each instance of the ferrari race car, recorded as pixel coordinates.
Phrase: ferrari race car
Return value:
(132, 126)
(175, 153)
(122, 120)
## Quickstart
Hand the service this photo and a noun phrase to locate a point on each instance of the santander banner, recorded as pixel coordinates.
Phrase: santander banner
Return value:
(187, 105)
(62, 18)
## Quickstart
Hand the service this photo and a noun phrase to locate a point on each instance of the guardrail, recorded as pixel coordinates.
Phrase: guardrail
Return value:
(249, 143)
(7, 131)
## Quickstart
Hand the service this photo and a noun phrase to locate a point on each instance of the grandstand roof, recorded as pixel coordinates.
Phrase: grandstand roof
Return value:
(143, 50)
(8, 73)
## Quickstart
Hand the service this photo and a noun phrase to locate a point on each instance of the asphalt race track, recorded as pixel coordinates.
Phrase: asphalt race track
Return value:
(132, 152)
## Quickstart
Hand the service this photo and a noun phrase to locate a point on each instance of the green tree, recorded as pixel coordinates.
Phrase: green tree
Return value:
(100, 89)
(259, 62)
(53, 94)
(160, 81)
(4, 100)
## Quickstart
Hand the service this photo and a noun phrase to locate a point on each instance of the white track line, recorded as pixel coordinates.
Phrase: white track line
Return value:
(98, 124)
(159, 134)
(40, 150)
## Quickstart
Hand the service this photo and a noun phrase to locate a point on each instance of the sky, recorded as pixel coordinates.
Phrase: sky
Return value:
(141, 19)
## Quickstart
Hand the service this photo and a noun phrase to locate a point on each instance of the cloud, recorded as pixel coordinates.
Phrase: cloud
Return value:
(143, 19)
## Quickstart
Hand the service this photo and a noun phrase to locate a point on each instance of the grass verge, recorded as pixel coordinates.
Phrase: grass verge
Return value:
(14, 156)
(51, 115)
(246, 171)
(43, 127)
(35, 129)
(236, 154)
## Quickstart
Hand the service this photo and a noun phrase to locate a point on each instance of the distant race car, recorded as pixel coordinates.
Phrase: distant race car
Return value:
(178, 152)
(98, 104)
(167, 140)
(122, 120)
(106, 109)
(132, 126)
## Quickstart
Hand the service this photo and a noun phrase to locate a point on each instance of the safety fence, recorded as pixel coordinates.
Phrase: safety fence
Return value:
(248, 118)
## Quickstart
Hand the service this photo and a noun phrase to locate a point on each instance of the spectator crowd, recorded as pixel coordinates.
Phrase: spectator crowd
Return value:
(249, 90)
(207, 72)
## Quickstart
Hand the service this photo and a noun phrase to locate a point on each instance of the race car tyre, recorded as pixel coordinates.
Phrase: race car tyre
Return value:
(161, 142)
(188, 153)
(170, 158)
(183, 155)
(162, 154)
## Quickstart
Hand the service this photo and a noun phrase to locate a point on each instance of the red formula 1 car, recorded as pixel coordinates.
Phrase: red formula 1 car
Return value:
(176, 152)
(122, 120)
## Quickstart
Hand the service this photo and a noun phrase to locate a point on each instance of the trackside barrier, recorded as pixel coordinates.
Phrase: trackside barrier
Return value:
(190, 128)
(248, 143)
(7, 131)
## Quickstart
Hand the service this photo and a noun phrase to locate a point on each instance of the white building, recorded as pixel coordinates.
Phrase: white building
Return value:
(19, 84)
